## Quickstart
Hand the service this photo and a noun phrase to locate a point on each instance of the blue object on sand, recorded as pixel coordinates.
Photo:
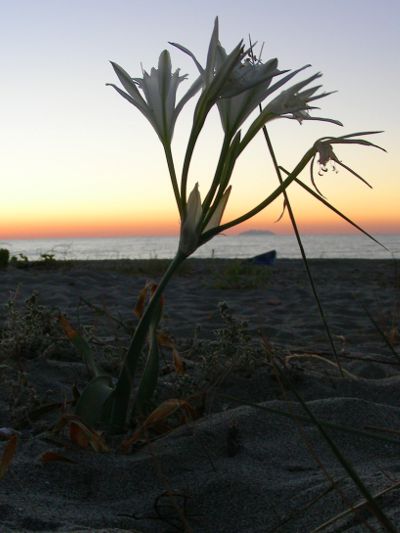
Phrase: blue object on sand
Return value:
(267, 258)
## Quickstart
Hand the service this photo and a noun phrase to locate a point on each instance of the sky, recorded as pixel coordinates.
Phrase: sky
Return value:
(78, 160)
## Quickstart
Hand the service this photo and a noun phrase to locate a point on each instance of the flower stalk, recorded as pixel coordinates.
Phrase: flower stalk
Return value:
(236, 86)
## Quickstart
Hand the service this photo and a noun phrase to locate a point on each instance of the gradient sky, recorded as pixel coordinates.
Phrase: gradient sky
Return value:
(77, 160)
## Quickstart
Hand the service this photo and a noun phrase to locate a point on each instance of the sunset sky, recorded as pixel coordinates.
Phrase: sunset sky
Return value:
(78, 160)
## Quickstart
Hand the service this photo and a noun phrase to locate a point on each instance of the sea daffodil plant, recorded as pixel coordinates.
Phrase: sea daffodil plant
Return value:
(237, 85)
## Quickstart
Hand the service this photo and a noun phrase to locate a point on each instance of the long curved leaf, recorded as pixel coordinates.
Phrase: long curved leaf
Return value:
(92, 400)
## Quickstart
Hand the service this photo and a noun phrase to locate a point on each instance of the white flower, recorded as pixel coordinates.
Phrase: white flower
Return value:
(294, 100)
(159, 88)
(256, 80)
(238, 86)
(226, 75)
(191, 227)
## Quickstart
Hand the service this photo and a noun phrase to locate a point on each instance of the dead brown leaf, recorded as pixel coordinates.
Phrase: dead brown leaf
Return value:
(8, 454)
(49, 457)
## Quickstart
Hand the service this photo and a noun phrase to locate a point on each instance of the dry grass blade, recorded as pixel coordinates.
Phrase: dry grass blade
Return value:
(141, 301)
(325, 360)
(8, 454)
(332, 425)
(160, 414)
(179, 365)
(384, 430)
(355, 507)
(102, 311)
(81, 434)
(379, 330)
(49, 457)
(346, 464)
(166, 341)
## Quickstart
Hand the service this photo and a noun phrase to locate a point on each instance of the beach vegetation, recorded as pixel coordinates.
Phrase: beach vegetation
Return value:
(48, 258)
(233, 348)
(4, 257)
(19, 261)
(236, 84)
(181, 398)
(29, 328)
(239, 274)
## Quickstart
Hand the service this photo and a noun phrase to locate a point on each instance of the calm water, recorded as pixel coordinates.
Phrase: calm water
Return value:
(233, 246)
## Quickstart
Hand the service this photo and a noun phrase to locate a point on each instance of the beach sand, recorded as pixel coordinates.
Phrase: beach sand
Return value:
(242, 466)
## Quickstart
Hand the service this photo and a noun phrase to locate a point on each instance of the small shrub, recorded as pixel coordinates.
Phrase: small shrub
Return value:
(28, 330)
(48, 258)
(233, 349)
(19, 261)
(4, 257)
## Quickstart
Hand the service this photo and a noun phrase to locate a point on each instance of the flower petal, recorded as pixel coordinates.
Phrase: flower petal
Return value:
(129, 85)
(190, 227)
(216, 217)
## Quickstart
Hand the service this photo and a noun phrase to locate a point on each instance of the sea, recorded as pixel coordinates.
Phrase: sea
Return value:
(222, 246)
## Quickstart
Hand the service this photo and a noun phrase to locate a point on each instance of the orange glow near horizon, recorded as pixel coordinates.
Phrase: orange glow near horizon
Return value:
(65, 227)
(42, 228)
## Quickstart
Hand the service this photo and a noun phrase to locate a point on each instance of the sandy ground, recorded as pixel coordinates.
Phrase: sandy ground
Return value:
(243, 465)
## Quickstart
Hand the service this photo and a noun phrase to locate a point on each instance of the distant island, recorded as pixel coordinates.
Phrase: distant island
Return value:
(256, 232)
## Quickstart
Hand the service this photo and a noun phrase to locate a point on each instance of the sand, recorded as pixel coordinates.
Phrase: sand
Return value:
(242, 466)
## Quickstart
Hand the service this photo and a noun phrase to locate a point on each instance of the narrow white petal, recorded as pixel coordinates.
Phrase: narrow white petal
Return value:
(194, 209)
(216, 217)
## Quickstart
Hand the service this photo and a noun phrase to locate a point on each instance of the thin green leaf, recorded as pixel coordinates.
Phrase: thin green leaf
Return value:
(116, 410)
(354, 173)
(302, 250)
(342, 215)
(358, 134)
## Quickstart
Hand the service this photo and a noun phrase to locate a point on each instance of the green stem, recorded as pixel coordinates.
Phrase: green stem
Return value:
(216, 180)
(303, 253)
(224, 176)
(122, 394)
(300, 166)
(171, 168)
(199, 118)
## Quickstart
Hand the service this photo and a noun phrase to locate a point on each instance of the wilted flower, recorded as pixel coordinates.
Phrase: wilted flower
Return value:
(324, 151)
(159, 89)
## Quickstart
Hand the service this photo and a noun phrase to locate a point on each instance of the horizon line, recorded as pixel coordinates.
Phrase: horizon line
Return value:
(268, 233)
